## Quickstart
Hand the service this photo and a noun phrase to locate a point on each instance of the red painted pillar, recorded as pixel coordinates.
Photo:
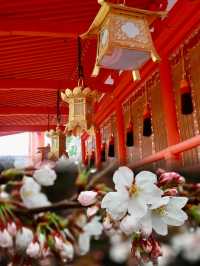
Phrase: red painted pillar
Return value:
(98, 146)
(169, 106)
(84, 137)
(40, 139)
(83, 149)
(168, 102)
(120, 134)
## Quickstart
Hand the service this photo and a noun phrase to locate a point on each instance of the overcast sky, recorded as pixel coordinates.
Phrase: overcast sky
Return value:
(17, 144)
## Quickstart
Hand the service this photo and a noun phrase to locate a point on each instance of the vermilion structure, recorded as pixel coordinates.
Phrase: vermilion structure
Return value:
(38, 56)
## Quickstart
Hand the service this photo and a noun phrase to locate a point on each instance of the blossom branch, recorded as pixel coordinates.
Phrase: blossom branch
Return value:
(61, 205)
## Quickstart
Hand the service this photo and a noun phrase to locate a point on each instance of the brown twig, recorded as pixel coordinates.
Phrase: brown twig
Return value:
(110, 168)
(61, 205)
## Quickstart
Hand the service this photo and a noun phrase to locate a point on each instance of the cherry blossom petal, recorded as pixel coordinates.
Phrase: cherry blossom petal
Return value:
(84, 243)
(146, 224)
(45, 176)
(177, 202)
(151, 194)
(160, 202)
(93, 228)
(129, 224)
(159, 225)
(115, 202)
(137, 207)
(175, 218)
(145, 177)
(123, 178)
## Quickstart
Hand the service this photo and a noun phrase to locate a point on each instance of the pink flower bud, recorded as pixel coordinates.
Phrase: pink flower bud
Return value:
(87, 198)
(92, 211)
(12, 228)
(146, 246)
(107, 224)
(170, 177)
(171, 192)
(156, 249)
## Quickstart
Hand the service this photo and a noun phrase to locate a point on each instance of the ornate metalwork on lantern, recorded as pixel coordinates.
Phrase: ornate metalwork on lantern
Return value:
(58, 140)
(81, 101)
(124, 38)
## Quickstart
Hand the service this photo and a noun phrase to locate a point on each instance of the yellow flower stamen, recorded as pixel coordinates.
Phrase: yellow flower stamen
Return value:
(133, 190)
(161, 211)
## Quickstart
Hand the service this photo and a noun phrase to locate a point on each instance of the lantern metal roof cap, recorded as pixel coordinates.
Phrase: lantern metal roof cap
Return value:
(107, 8)
(78, 92)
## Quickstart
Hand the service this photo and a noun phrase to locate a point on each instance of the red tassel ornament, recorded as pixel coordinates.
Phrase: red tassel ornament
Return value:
(147, 127)
(186, 97)
(103, 152)
(111, 147)
(130, 135)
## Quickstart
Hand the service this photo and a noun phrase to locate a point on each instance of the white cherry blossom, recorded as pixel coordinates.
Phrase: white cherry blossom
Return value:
(33, 249)
(45, 176)
(6, 240)
(188, 244)
(120, 251)
(168, 211)
(23, 238)
(67, 251)
(58, 243)
(31, 195)
(133, 195)
(93, 228)
(87, 198)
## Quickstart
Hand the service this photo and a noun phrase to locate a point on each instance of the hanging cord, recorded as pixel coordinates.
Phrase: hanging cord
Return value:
(184, 75)
(58, 114)
(79, 60)
(146, 95)
(48, 117)
(130, 111)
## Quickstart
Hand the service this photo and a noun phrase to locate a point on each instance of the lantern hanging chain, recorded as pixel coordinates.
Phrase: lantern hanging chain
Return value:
(130, 113)
(79, 61)
(58, 114)
(183, 64)
(146, 94)
(48, 117)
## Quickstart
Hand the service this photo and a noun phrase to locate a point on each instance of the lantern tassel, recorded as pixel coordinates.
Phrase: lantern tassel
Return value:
(147, 127)
(186, 98)
(103, 152)
(111, 147)
(130, 135)
(92, 159)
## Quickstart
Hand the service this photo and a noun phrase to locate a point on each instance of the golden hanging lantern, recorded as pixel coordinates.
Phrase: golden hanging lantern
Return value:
(58, 141)
(124, 38)
(80, 102)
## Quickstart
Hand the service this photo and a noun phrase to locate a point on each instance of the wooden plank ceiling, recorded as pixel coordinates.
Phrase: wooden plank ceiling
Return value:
(38, 56)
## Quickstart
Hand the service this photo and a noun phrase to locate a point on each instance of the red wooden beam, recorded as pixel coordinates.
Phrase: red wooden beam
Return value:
(25, 128)
(50, 84)
(11, 110)
(34, 28)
